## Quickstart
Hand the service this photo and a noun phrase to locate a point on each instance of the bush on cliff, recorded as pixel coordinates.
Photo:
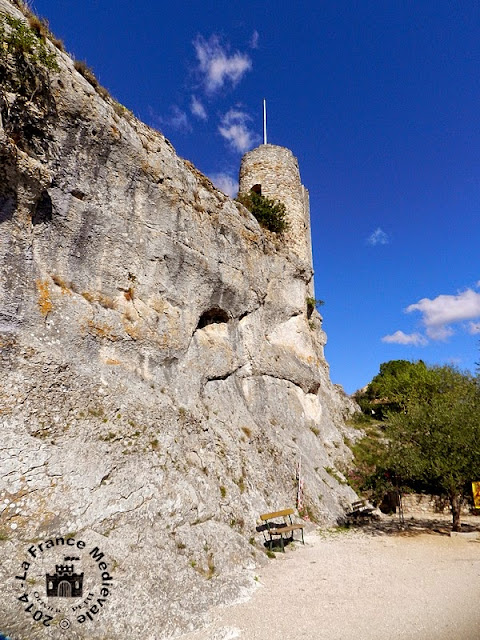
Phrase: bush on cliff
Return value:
(27, 45)
(271, 214)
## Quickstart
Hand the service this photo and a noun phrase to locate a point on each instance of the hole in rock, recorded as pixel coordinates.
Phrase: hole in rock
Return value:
(7, 208)
(215, 315)
(43, 210)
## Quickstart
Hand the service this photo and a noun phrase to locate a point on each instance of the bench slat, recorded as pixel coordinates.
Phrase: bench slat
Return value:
(357, 504)
(277, 514)
(360, 508)
(290, 527)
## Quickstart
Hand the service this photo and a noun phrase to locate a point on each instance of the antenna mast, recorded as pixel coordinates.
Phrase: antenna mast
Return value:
(264, 121)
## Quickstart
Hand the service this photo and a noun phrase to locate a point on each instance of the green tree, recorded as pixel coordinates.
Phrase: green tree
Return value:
(434, 442)
(371, 475)
(396, 384)
(429, 438)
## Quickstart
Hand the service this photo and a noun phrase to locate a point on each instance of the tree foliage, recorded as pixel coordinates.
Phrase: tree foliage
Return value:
(271, 214)
(397, 383)
(430, 434)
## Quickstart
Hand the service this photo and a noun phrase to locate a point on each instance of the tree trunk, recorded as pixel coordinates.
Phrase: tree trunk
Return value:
(456, 501)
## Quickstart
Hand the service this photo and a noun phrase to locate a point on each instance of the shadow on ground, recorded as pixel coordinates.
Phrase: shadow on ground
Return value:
(412, 526)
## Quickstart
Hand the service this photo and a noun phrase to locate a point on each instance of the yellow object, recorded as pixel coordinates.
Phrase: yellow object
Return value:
(476, 494)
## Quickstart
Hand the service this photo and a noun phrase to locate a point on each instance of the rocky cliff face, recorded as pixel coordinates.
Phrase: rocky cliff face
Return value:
(160, 378)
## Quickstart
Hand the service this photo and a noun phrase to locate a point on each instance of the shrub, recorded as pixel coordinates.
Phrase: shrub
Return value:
(312, 304)
(57, 42)
(102, 92)
(39, 25)
(271, 214)
(25, 42)
(82, 68)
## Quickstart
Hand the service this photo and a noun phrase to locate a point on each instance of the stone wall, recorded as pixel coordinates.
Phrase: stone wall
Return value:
(276, 169)
(427, 504)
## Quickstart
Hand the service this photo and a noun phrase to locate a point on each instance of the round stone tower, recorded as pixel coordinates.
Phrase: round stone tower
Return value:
(273, 171)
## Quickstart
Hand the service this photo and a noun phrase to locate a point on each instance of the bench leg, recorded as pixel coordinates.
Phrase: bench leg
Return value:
(281, 539)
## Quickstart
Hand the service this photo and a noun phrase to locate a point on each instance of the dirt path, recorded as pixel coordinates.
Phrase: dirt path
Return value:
(357, 586)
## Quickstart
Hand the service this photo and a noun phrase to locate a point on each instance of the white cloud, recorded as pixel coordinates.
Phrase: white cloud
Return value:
(234, 128)
(474, 327)
(197, 108)
(447, 309)
(217, 66)
(254, 40)
(439, 314)
(441, 332)
(399, 337)
(378, 237)
(225, 183)
(444, 310)
(177, 119)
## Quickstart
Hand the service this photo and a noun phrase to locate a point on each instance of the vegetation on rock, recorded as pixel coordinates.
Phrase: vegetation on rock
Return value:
(26, 44)
(26, 62)
(271, 214)
(90, 77)
(313, 304)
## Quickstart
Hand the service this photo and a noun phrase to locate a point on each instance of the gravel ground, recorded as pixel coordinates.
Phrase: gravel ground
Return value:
(418, 584)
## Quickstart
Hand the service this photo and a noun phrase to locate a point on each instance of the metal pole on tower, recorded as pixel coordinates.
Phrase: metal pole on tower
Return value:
(264, 121)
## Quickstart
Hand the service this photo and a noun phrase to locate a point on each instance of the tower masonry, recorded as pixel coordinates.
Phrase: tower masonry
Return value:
(273, 171)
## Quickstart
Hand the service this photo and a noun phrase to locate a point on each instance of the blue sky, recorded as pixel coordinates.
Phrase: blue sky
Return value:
(380, 102)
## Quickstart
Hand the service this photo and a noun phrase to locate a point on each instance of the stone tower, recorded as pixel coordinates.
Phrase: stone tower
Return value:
(273, 171)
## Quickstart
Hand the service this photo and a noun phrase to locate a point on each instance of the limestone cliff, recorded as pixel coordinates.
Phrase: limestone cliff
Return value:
(160, 375)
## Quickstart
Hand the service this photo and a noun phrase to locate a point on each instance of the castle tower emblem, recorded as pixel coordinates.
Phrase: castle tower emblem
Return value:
(64, 583)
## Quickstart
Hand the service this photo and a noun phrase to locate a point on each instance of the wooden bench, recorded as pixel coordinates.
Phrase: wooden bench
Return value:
(360, 509)
(279, 524)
